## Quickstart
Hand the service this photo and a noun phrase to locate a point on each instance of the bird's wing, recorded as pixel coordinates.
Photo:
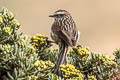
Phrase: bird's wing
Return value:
(69, 36)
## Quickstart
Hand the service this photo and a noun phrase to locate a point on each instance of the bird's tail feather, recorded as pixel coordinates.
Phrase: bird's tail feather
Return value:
(63, 48)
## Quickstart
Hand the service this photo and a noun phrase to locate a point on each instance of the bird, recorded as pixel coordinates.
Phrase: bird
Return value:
(65, 34)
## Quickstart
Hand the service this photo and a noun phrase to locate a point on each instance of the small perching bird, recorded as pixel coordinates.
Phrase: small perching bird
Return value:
(65, 34)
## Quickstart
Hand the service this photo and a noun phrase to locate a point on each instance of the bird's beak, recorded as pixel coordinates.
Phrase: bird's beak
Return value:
(51, 15)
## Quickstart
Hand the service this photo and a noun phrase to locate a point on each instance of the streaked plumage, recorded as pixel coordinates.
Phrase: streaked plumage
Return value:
(64, 33)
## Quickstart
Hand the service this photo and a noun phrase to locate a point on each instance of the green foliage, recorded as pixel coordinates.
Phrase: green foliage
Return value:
(33, 58)
(91, 64)
(18, 56)
(117, 57)
(8, 27)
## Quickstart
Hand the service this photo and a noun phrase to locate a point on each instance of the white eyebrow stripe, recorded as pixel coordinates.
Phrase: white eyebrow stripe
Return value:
(60, 13)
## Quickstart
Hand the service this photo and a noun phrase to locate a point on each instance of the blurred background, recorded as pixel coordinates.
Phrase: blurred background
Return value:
(97, 20)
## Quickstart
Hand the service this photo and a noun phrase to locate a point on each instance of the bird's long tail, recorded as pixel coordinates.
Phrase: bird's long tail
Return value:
(63, 48)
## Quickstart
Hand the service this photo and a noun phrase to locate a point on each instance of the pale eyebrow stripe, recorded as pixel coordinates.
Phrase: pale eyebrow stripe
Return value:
(60, 13)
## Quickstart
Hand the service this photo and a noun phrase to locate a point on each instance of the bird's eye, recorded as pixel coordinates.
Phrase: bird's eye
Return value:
(56, 15)
(61, 15)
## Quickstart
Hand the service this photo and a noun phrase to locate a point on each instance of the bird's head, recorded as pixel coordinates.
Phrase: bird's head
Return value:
(60, 14)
